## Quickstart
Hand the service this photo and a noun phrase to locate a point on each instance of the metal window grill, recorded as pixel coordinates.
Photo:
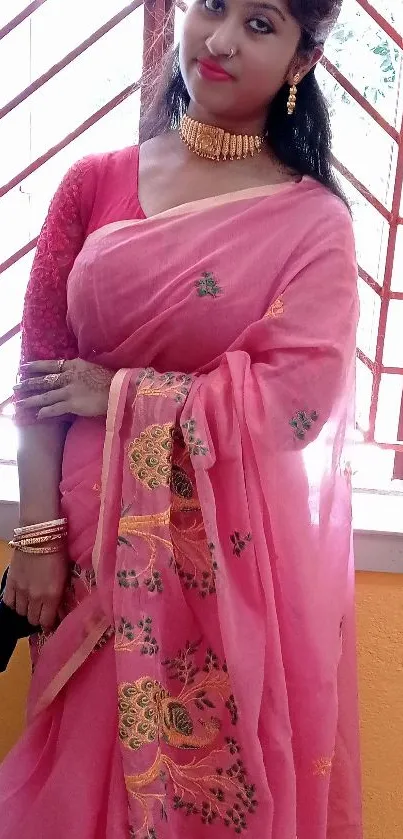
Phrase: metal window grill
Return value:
(154, 23)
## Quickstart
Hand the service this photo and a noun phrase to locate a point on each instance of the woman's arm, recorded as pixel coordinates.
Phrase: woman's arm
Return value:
(40, 456)
(35, 584)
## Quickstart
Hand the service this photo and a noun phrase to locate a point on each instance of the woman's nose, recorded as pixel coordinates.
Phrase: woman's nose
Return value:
(222, 42)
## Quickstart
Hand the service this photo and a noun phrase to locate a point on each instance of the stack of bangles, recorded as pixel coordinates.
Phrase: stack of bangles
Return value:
(49, 537)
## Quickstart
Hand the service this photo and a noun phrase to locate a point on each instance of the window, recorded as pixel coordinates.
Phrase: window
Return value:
(71, 85)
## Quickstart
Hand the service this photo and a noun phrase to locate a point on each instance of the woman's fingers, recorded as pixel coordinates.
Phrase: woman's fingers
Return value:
(9, 594)
(21, 603)
(59, 409)
(41, 400)
(48, 616)
(34, 610)
(35, 368)
(40, 384)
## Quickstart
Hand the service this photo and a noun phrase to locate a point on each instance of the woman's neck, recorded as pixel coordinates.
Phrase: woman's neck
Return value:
(253, 127)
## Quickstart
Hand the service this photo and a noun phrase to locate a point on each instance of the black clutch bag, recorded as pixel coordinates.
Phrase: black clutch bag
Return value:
(12, 628)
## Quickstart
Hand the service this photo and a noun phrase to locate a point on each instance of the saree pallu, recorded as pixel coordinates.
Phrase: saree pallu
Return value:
(206, 671)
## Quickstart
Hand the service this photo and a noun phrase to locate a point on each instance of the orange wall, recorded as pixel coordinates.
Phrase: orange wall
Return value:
(380, 645)
(380, 650)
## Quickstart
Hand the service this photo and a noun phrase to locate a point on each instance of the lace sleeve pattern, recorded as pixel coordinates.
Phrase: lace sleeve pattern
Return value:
(45, 334)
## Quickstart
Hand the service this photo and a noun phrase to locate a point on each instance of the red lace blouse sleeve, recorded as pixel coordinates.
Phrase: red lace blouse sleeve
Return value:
(45, 334)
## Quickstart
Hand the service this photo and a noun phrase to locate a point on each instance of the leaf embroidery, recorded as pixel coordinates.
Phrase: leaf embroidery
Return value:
(144, 528)
(130, 637)
(194, 444)
(207, 285)
(174, 385)
(302, 422)
(239, 542)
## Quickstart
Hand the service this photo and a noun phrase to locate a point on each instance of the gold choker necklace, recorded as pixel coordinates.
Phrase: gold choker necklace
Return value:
(217, 144)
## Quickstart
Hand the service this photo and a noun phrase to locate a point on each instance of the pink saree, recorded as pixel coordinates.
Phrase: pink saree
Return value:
(203, 683)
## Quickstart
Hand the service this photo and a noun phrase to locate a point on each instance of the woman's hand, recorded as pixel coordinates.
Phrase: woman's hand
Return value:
(35, 587)
(60, 388)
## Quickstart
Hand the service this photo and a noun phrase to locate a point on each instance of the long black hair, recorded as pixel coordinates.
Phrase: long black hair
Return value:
(302, 142)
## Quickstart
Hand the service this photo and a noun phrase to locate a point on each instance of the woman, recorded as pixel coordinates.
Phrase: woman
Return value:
(201, 681)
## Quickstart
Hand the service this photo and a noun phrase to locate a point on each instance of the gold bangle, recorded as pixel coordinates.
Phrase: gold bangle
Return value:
(44, 525)
(40, 540)
(36, 551)
(41, 533)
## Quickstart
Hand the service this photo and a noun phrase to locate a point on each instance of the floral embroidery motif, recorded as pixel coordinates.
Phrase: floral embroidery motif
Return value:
(85, 575)
(214, 788)
(174, 385)
(239, 542)
(194, 444)
(129, 637)
(80, 583)
(108, 634)
(150, 456)
(192, 559)
(276, 309)
(127, 579)
(323, 766)
(40, 639)
(207, 285)
(302, 422)
(143, 527)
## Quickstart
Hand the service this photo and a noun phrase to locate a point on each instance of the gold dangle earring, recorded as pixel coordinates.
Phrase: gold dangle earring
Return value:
(292, 99)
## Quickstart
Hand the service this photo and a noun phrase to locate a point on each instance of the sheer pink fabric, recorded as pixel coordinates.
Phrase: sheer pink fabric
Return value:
(213, 620)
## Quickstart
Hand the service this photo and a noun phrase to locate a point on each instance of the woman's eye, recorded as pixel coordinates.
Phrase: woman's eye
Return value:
(214, 5)
(260, 25)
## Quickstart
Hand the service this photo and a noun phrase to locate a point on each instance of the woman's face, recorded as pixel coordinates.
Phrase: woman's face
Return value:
(264, 39)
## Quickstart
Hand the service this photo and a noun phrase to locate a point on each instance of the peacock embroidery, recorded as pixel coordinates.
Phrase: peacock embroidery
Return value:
(215, 787)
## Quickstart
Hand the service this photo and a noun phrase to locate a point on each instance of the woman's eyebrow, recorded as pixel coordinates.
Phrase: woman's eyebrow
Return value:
(268, 7)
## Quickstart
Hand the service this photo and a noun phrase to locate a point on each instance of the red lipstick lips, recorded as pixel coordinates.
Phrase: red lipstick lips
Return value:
(211, 71)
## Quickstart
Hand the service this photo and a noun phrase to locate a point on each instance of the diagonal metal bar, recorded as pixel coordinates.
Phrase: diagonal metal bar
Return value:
(10, 334)
(11, 260)
(12, 24)
(370, 281)
(365, 360)
(360, 99)
(5, 402)
(363, 190)
(382, 22)
(388, 447)
(95, 117)
(70, 57)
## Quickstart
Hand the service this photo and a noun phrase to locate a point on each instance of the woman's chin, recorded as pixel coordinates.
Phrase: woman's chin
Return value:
(211, 103)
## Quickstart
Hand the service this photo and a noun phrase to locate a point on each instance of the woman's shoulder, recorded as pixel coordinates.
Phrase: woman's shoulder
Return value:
(105, 164)
(324, 215)
(322, 204)
(104, 184)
